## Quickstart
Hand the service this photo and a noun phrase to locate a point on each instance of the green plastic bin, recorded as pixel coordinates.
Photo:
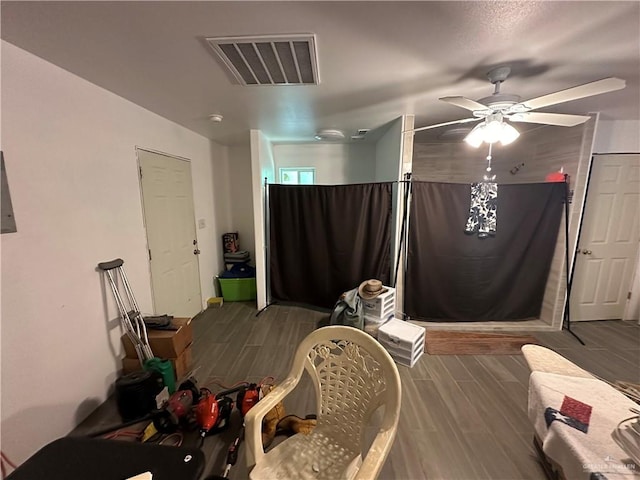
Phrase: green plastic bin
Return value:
(238, 289)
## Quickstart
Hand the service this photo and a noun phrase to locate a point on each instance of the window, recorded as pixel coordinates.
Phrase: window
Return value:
(298, 176)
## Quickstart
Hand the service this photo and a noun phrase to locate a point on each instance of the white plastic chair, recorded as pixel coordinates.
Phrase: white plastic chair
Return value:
(353, 375)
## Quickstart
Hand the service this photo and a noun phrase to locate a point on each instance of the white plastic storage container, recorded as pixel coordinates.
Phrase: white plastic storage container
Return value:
(372, 324)
(403, 340)
(382, 306)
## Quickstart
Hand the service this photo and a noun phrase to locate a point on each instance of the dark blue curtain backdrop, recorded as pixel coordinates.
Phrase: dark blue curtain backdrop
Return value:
(453, 275)
(327, 239)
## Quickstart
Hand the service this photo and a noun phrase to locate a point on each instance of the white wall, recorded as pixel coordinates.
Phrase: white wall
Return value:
(0, 267)
(617, 136)
(335, 163)
(222, 211)
(241, 197)
(262, 166)
(388, 155)
(70, 154)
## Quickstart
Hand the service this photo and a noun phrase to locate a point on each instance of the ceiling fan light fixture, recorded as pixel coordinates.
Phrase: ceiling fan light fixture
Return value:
(491, 131)
(497, 107)
(476, 136)
(509, 134)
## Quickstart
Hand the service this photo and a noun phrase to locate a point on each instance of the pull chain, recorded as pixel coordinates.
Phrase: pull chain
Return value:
(487, 177)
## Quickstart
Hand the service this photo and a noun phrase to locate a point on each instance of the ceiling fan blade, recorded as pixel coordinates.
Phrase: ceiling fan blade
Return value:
(464, 120)
(559, 119)
(464, 102)
(587, 90)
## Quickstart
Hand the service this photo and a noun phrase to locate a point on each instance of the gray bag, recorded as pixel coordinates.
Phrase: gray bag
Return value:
(348, 311)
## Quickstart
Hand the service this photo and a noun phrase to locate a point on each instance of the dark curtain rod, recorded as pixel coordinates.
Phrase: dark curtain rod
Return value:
(320, 185)
(407, 181)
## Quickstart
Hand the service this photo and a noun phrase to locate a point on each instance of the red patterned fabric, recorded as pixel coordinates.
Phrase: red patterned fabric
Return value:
(576, 409)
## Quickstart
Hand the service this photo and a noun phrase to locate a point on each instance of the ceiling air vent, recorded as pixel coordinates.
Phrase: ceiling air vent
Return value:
(268, 60)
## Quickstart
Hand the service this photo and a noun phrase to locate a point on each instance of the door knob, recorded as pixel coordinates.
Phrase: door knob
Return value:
(586, 252)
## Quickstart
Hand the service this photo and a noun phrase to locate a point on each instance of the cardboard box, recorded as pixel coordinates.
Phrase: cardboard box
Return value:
(130, 365)
(165, 343)
(181, 364)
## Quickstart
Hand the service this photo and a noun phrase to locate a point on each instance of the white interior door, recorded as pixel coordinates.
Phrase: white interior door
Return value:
(167, 197)
(608, 246)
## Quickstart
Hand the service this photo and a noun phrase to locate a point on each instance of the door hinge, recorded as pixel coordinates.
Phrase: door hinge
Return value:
(140, 170)
(149, 254)
(629, 296)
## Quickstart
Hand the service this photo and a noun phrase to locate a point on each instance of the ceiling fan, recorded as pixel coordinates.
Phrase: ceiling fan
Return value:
(498, 107)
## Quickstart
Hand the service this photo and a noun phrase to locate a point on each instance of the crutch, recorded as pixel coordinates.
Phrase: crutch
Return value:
(131, 318)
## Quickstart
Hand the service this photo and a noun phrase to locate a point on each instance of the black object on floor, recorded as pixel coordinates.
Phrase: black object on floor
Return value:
(136, 393)
(159, 322)
(80, 458)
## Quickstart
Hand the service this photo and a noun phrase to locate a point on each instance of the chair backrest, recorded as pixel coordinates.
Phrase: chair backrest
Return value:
(353, 375)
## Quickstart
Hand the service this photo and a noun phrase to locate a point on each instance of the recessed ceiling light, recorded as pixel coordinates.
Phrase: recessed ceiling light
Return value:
(329, 134)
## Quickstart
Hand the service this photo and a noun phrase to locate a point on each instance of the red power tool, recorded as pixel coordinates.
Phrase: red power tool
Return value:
(247, 398)
(207, 412)
(213, 412)
(175, 411)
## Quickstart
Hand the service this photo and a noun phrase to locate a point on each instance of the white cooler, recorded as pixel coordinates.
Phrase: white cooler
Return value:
(403, 340)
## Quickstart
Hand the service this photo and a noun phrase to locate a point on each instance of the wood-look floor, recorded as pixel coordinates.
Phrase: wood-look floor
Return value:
(463, 416)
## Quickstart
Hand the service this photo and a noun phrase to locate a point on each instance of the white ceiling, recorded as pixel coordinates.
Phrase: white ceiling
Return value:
(377, 60)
